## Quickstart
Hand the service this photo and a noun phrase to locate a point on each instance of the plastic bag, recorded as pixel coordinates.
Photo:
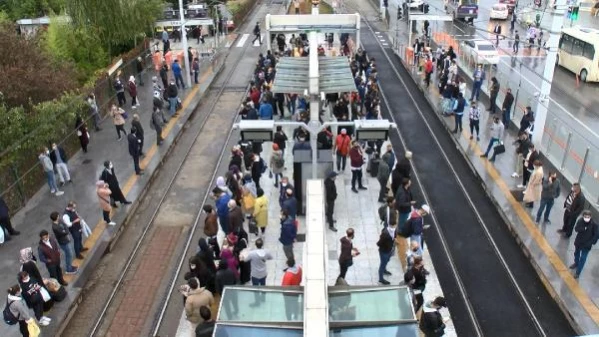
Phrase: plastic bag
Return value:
(34, 330)
(86, 230)
(1, 235)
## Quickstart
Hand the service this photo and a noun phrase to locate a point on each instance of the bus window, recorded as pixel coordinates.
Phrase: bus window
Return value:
(566, 43)
(589, 51)
(578, 46)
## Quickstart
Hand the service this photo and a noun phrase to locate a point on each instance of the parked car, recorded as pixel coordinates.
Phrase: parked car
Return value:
(226, 15)
(499, 12)
(511, 4)
(482, 51)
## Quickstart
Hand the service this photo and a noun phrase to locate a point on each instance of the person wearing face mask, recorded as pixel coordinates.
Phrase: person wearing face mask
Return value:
(61, 232)
(285, 185)
(103, 193)
(59, 159)
(48, 168)
(18, 309)
(288, 234)
(49, 252)
(386, 246)
(587, 234)
(331, 195)
(574, 205)
(73, 222)
(109, 177)
(32, 294)
(415, 277)
(348, 252)
(497, 130)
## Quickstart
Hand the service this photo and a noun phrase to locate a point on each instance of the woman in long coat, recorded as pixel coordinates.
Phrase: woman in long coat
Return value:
(535, 185)
(261, 210)
(82, 133)
(103, 193)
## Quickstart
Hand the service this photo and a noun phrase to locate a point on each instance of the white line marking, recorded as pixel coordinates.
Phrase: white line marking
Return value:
(241, 41)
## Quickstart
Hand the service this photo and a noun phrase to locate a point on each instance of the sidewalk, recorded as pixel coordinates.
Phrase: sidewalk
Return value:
(550, 253)
(85, 168)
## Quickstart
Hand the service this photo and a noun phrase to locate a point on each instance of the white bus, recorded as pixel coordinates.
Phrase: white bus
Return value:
(579, 52)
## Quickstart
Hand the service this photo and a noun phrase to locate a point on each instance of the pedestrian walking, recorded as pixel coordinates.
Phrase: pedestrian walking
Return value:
(348, 252)
(587, 234)
(5, 223)
(458, 112)
(257, 167)
(341, 149)
(428, 71)
(17, 307)
(257, 259)
(516, 41)
(506, 108)
(157, 123)
(432, 324)
(474, 117)
(479, 77)
(535, 185)
(292, 278)
(330, 190)
(82, 133)
(574, 205)
(386, 244)
(118, 119)
(222, 208)
(132, 88)
(93, 111)
(257, 33)
(551, 190)
(496, 134)
(135, 123)
(513, 20)
(135, 150)
(290, 204)
(62, 235)
(164, 75)
(356, 157)
(494, 91)
(497, 32)
(103, 193)
(48, 168)
(280, 138)
(288, 234)
(59, 159)
(109, 177)
(119, 88)
(74, 223)
(178, 74)
(522, 148)
(140, 67)
(49, 253)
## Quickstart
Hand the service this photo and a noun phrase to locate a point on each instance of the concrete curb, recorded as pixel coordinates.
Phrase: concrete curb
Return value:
(110, 236)
(541, 272)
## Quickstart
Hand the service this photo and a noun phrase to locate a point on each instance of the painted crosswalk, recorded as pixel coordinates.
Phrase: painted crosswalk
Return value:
(243, 40)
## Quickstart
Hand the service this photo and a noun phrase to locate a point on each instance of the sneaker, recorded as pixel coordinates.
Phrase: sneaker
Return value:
(515, 175)
(471, 137)
(521, 186)
(576, 276)
(120, 138)
(477, 138)
(44, 323)
(384, 282)
(560, 231)
(46, 318)
(53, 191)
(547, 222)
(354, 190)
(426, 226)
(59, 193)
(333, 228)
(388, 273)
(72, 271)
(483, 156)
(112, 223)
(362, 188)
(61, 183)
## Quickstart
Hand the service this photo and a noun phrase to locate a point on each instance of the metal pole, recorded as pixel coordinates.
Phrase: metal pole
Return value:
(550, 138)
(584, 164)
(185, 46)
(566, 151)
(215, 25)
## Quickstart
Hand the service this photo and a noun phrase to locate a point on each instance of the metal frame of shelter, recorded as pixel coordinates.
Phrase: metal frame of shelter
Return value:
(334, 75)
(320, 23)
(414, 17)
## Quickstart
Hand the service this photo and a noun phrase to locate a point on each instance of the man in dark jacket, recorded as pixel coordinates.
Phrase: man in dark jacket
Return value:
(574, 205)
(164, 75)
(172, 93)
(288, 234)
(587, 234)
(49, 253)
(59, 159)
(110, 178)
(134, 149)
(404, 201)
(383, 177)
(206, 328)
(386, 246)
(226, 277)
(506, 108)
(61, 232)
(5, 220)
(290, 203)
(140, 133)
(346, 257)
(235, 216)
(527, 119)
(73, 222)
(157, 123)
(432, 323)
(402, 170)
(551, 190)
(330, 191)
(416, 279)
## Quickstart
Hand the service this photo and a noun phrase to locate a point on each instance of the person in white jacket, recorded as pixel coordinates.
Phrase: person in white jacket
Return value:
(497, 130)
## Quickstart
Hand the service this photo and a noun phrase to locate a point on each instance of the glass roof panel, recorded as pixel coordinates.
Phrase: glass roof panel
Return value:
(257, 305)
(370, 305)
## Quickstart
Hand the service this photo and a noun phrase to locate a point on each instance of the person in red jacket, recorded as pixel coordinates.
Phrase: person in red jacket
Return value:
(341, 149)
(356, 157)
(428, 70)
(292, 277)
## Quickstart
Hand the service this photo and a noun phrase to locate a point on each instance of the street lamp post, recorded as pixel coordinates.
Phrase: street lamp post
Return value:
(185, 46)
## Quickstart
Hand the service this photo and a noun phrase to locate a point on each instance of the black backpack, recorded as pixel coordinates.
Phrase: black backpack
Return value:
(407, 229)
(9, 317)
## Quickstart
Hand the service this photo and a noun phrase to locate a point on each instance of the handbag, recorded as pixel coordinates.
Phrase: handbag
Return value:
(79, 133)
(86, 230)
(253, 226)
(32, 328)
(499, 149)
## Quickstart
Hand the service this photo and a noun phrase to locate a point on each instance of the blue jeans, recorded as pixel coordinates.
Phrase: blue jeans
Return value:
(385, 257)
(417, 238)
(68, 256)
(506, 117)
(291, 106)
(173, 105)
(580, 257)
(77, 241)
(51, 181)
(548, 203)
(458, 122)
(476, 90)
(179, 78)
(195, 76)
(490, 146)
(258, 295)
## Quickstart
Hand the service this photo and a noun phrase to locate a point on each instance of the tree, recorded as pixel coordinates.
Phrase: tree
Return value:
(29, 75)
(27, 9)
(115, 22)
(78, 45)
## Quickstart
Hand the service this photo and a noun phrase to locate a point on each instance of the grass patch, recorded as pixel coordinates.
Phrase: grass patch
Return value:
(306, 8)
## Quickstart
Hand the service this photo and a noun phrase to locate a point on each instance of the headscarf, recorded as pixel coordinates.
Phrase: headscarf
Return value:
(25, 255)
(220, 182)
(100, 183)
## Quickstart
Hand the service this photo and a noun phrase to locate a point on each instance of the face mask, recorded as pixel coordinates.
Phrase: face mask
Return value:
(110, 166)
(192, 267)
(26, 280)
(46, 240)
(282, 217)
(587, 219)
(284, 184)
(48, 152)
(53, 147)
(572, 189)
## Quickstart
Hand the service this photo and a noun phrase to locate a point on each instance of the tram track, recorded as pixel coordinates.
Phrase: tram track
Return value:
(198, 157)
(491, 286)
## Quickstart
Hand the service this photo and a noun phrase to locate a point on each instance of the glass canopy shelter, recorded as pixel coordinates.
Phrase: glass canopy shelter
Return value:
(334, 75)
(353, 312)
